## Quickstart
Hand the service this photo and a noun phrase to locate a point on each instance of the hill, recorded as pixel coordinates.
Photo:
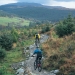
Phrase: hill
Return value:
(60, 54)
(13, 21)
(37, 11)
(4, 14)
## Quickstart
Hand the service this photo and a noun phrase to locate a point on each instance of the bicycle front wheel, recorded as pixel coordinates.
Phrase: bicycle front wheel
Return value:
(35, 66)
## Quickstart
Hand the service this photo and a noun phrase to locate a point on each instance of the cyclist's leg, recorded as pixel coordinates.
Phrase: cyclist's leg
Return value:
(36, 41)
(40, 57)
(36, 59)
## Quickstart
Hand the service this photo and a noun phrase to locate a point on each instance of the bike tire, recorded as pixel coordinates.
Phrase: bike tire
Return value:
(39, 65)
(35, 66)
(39, 68)
(36, 43)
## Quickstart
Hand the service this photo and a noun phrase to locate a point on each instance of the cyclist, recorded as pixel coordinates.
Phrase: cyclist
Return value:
(37, 37)
(38, 53)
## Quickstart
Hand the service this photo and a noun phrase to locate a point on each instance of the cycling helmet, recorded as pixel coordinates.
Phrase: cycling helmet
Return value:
(37, 46)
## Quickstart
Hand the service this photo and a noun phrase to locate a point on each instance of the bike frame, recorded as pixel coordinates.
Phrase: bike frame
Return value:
(37, 42)
(37, 64)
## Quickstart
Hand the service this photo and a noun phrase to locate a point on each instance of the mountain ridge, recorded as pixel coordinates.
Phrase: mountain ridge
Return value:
(22, 4)
(37, 11)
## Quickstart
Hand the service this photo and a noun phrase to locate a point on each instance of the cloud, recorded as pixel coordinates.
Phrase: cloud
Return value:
(2, 2)
(35, 1)
(69, 4)
(64, 0)
(63, 3)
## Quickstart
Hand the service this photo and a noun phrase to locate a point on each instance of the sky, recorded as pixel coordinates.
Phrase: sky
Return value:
(63, 3)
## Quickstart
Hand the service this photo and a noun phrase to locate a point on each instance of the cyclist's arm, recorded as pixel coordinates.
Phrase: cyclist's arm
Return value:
(34, 52)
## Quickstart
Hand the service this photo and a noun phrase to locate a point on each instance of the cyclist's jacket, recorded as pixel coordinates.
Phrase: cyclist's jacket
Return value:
(38, 52)
(37, 36)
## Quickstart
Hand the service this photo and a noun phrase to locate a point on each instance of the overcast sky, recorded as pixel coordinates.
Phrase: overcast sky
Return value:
(64, 3)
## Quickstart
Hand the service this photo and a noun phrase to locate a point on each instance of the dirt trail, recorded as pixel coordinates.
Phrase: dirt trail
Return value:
(30, 61)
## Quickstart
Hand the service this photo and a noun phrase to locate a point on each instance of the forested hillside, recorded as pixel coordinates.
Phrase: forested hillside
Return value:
(37, 11)
(4, 14)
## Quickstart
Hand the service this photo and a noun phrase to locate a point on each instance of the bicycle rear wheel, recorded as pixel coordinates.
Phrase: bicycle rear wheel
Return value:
(36, 42)
(39, 67)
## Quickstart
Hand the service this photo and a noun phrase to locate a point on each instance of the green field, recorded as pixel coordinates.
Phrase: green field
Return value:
(15, 21)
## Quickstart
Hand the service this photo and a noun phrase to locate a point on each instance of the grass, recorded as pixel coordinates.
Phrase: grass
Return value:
(12, 56)
(13, 21)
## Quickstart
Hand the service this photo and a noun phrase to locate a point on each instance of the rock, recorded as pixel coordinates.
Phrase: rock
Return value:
(56, 71)
(27, 48)
(20, 71)
(31, 46)
(15, 66)
(22, 63)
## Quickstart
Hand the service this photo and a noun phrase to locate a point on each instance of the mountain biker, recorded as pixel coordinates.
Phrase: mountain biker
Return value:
(38, 53)
(37, 37)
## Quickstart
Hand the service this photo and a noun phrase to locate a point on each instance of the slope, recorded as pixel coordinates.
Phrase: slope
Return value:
(37, 11)
(13, 21)
(60, 53)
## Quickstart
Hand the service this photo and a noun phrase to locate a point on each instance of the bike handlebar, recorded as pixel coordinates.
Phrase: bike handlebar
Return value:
(33, 56)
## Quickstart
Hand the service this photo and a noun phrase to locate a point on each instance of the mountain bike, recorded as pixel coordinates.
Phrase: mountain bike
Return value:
(37, 42)
(37, 64)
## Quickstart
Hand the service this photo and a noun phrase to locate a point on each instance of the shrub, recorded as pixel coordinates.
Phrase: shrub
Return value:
(3, 70)
(45, 29)
(6, 41)
(65, 27)
(2, 53)
(63, 30)
(14, 35)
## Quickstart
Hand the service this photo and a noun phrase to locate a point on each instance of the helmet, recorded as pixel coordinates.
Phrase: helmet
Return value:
(37, 46)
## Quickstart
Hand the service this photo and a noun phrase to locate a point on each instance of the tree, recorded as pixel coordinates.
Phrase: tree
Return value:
(14, 35)
(6, 41)
(45, 29)
(65, 27)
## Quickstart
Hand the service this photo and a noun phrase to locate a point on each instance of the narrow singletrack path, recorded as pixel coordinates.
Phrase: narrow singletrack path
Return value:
(30, 61)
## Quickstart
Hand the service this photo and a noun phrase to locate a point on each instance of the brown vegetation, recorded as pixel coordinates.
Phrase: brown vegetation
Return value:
(60, 53)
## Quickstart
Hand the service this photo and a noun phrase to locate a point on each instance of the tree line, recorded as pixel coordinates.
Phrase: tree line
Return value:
(39, 13)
